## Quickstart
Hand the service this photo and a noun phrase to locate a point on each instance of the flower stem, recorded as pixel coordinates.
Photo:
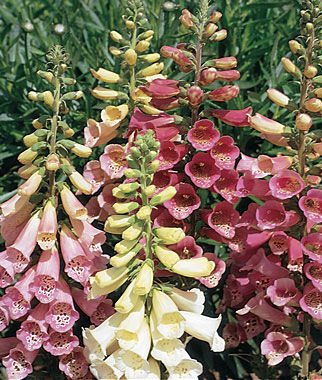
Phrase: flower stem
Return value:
(306, 353)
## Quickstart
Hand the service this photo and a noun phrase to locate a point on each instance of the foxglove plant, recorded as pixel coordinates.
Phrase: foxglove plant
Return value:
(51, 247)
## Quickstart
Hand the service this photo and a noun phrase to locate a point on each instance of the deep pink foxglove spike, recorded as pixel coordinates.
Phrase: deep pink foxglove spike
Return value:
(251, 324)
(284, 292)
(106, 199)
(6, 344)
(295, 255)
(271, 215)
(233, 335)
(161, 88)
(165, 219)
(278, 243)
(170, 154)
(165, 178)
(250, 185)
(33, 331)
(45, 283)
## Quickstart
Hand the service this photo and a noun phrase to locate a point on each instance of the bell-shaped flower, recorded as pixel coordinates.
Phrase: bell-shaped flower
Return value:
(169, 351)
(95, 175)
(77, 266)
(135, 340)
(144, 280)
(236, 118)
(6, 344)
(202, 170)
(204, 328)
(20, 251)
(226, 184)
(98, 133)
(284, 292)
(311, 301)
(14, 204)
(128, 300)
(185, 369)
(170, 323)
(249, 185)
(33, 331)
(72, 205)
(191, 300)
(233, 334)
(251, 324)
(106, 199)
(4, 315)
(165, 178)
(186, 248)
(278, 243)
(184, 202)
(260, 307)
(18, 363)
(62, 315)
(170, 154)
(313, 271)
(203, 135)
(133, 320)
(277, 346)
(45, 283)
(60, 343)
(271, 215)
(31, 185)
(97, 340)
(285, 184)
(274, 165)
(113, 160)
(312, 245)
(74, 365)
(223, 219)
(47, 230)
(224, 152)
(7, 272)
(105, 369)
(18, 297)
(311, 205)
(212, 280)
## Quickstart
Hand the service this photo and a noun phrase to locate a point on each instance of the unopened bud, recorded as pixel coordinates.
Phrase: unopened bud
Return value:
(144, 212)
(119, 221)
(116, 36)
(149, 190)
(296, 47)
(195, 95)
(47, 75)
(318, 148)
(303, 121)
(27, 171)
(150, 110)
(150, 58)
(153, 167)
(73, 95)
(278, 97)
(291, 68)
(81, 150)
(219, 36)
(133, 232)
(52, 162)
(169, 235)
(30, 140)
(208, 76)
(28, 27)
(59, 29)
(115, 51)
(186, 21)
(309, 27)
(48, 98)
(132, 173)
(166, 256)
(105, 75)
(223, 63)
(142, 46)
(69, 132)
(129, 24)
(27, 156)
(313, 105)
(165, 195)
(62, 68)
(107, 94)
(81, 183)
(130, 57)
(37, 123)
(129, 187)
(35, 96)
(169, 6)
(310, 71)
(214, 17)
(124, 208)
(153, 69)
(265, 125)
(318, 92)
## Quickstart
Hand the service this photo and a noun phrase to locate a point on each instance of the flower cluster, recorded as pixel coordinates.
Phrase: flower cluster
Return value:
(51, 247)
(148, 310)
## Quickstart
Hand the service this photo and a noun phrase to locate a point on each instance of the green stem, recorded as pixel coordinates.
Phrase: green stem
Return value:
(54, 127)
(148, 228)
(306, 353)
(132, 83)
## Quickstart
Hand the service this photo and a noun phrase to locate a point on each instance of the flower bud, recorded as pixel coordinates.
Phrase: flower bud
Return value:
(81, 150)
(130, 57)
(153, 167)
(186, 21)
(124, 208)
(127, 301)
(163, 196)
(119, 221)
(224, 93)
(169, 235)
(144, 280)
(47, 75)
(132, 173)
(107, 94)
(48, 98)
(129, 24)
(318, 92)
(52, 162)
(146, 108)
(291, 68)
(198, 267)
(28, 27)
(169, 6)
(37, 123)
(278, 97)
(153, 69)
(208, 76)
(318, 148)
(303, 121)
(310, 71)
(219, 36)
(150, 58)
(149, 190)
(194, 95)
(69, 132)
(125, 246)
(80, 183)
(27, 171)
(317, 79)
(27, 156)
(142, 46)
(296, 47)
(265, 125)
(167, 257)
(30, 140)
(129, 187)
(115, 51)
(144, 212)
(133, 232)
(223, 63)
(68, 81)
(73, 95)
(313, 105)
(123, 258)
(210, 30)
(214, 17)
(116, 37)
(105, 75)
(35, 96)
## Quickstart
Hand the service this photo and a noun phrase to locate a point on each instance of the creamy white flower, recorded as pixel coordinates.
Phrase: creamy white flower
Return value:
(134, 319)
(204, 328)
(128, 300)
(139, 341)
(132, 364)
(187, 369)
(169, 351)
(154, 369)
(102, 370)
(192, 300)
(170, 322)
(96, 340)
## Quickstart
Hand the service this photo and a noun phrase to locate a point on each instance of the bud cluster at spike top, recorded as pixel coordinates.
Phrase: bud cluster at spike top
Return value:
(274, 274)
(51, 248)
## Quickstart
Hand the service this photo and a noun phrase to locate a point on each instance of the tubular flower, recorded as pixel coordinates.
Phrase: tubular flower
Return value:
(223, 219)
(203, 135)
(47, 230)
(202, 170)
(285, 184)
(225, 153)
(113, 161)
(311, 205)
(312, 245)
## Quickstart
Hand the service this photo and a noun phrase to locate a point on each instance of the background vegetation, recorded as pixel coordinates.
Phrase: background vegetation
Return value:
(258, 35)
